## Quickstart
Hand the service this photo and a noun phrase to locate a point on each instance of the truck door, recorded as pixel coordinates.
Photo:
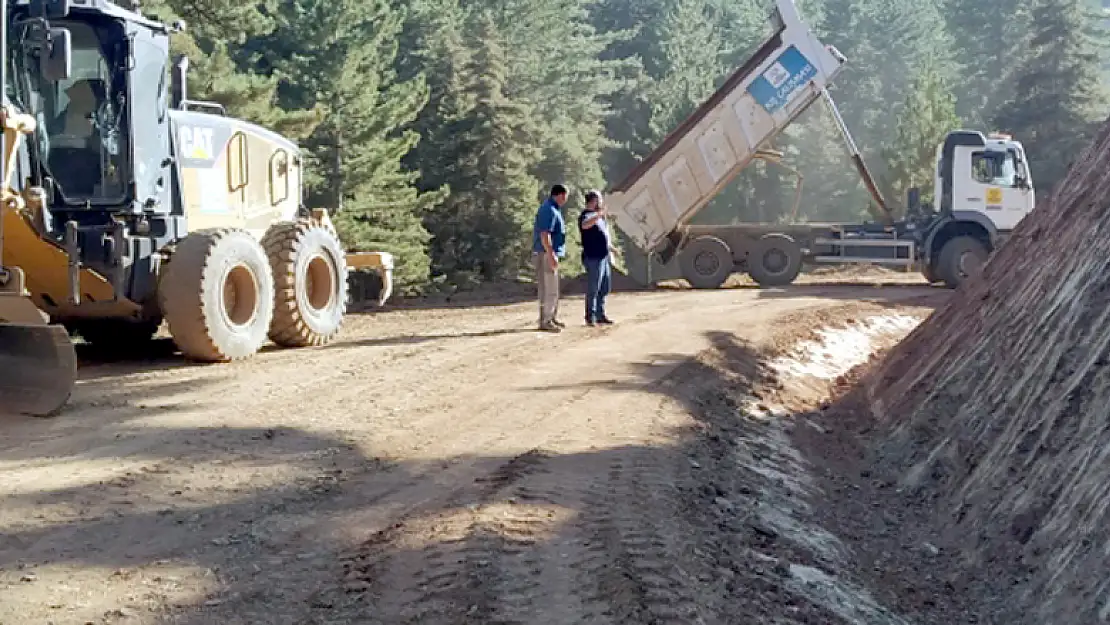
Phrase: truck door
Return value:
(986, 182)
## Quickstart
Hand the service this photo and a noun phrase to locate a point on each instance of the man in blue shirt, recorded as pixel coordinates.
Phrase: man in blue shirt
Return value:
(548, 246)
(596, 247)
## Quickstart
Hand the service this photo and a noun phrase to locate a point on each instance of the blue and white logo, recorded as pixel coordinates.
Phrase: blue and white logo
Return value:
(787, 74)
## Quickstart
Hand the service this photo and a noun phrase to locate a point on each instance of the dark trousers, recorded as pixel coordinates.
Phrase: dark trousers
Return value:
(598, 279)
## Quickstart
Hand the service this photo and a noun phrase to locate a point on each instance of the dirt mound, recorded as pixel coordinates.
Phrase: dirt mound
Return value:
(996, 411)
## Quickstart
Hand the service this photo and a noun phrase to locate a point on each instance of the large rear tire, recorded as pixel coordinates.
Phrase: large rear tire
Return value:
(961, 258)
(217, 295)
(706, 262)
(310, 283)
(775, 260)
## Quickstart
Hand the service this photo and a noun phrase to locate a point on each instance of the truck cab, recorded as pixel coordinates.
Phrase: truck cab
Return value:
(990, 181)
(983, 189)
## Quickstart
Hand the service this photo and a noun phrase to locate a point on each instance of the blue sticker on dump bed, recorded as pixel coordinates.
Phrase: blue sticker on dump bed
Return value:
(773, 89)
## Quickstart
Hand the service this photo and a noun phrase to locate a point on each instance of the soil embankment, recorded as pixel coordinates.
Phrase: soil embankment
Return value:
(991, 459)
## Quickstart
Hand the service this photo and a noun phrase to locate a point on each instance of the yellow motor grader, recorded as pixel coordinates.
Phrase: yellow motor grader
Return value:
(128, 204)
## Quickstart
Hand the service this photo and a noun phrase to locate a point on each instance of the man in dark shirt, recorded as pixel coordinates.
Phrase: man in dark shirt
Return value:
(596, 247)
(548, 246)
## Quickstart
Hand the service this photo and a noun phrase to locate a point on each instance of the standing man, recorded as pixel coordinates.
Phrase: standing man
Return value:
(596, 247)
(548, 246)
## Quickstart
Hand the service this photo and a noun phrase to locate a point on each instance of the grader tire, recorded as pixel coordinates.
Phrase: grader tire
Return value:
(217, 295)
(310, 283)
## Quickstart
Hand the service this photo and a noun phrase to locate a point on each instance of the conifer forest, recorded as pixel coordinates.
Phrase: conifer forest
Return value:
(436, 126)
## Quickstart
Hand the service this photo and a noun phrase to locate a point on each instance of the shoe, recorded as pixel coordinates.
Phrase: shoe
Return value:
(605, 321)
(550, 327)
(558, 324)
(590, 322)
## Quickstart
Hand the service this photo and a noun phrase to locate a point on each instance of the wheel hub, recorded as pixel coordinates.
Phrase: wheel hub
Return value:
(319, 282)
(775, 261)
(969, 264)
(706, 264)
(240, 296)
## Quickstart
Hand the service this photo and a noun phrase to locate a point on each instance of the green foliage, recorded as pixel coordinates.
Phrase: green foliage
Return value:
(1060, 93)
(338, 59)
(437, 125)
(925, 117)
(488, 144)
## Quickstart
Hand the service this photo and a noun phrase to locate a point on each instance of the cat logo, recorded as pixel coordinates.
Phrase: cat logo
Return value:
(994, 195)
(197, 143)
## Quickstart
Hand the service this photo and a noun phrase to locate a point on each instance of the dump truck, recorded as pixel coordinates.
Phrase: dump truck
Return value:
(138, 205)
(982, 185)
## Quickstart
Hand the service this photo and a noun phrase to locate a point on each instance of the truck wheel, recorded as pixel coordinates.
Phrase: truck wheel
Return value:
(310, 283)
(775, 260)
(930, 273)
(706, 263)
(960, 259)
(217, 295)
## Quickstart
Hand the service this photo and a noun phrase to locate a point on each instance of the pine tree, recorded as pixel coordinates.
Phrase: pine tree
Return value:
(887, 44)
(1059, 86)
(482, 228)
(556, 69)
(688, 63)
(925, 117)
(989, 37)
(338, 57)
(217, 41)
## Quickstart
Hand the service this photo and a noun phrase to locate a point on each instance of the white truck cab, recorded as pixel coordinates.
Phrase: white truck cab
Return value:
(991, 180)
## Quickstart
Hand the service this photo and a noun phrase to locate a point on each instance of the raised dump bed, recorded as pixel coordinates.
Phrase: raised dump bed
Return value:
(788, 72)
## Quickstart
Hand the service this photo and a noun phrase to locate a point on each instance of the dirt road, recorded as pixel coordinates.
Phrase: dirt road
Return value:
(433, 466)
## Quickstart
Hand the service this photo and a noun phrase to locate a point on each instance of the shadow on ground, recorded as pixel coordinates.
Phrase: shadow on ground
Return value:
(709, 527)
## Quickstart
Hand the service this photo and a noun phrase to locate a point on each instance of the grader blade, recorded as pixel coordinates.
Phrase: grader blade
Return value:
(38, 369)
(38, 364)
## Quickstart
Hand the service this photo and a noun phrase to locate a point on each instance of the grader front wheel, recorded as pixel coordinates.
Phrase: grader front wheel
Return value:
(310, 282)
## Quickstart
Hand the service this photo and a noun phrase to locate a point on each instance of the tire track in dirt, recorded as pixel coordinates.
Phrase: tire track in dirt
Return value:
(468, 564)
(638, 569)
(590, 544)
(630, 536)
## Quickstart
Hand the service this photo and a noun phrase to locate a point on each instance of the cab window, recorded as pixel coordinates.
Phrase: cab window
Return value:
(84, 143)
(995, 168)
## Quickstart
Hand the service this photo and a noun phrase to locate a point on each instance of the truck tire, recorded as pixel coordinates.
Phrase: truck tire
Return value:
(217, 295)
(960, 258)
(930, 273)
(310, 283)
(706, 262)
(775, 260)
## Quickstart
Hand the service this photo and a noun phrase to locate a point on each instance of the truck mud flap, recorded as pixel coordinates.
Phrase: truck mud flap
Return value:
(38, 369)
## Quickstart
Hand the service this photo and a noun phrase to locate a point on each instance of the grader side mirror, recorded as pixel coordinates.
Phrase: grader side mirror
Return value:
(56, 58)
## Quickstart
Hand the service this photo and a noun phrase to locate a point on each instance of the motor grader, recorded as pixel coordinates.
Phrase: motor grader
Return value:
(128, 204)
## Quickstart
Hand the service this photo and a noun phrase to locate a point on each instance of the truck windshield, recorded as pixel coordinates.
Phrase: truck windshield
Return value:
(84, 144)
(995, 168)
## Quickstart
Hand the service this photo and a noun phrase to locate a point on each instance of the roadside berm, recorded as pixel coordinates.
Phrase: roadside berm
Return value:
(984, 436)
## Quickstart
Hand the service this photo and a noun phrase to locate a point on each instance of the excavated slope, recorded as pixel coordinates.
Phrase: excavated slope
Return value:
(997, 409)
